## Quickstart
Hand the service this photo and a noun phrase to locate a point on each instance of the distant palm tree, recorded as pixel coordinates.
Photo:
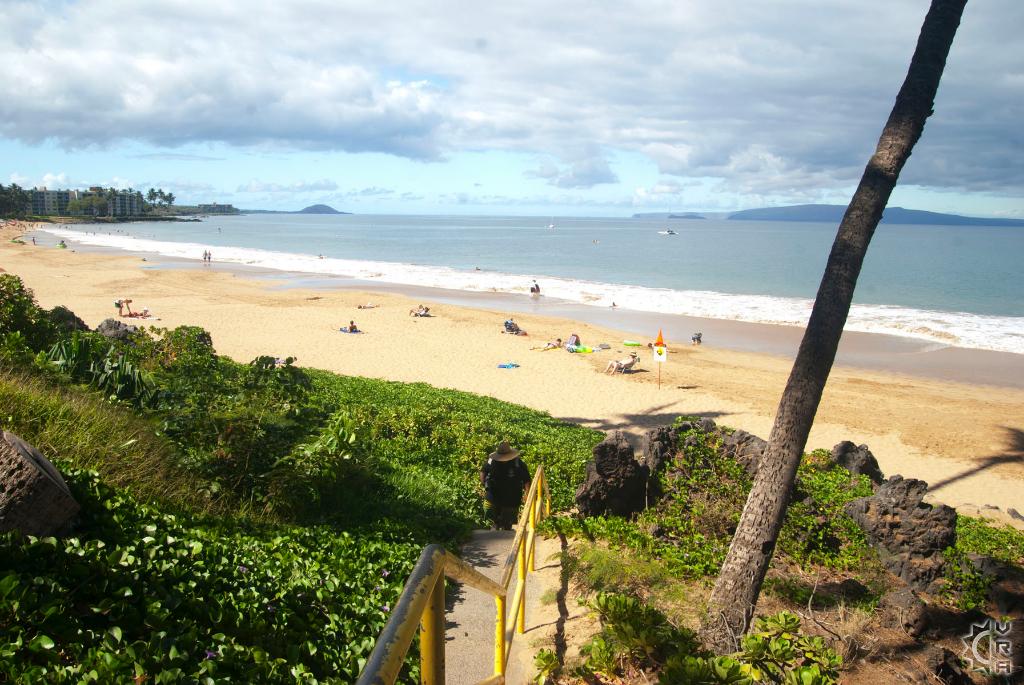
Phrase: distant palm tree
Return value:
(738, 586)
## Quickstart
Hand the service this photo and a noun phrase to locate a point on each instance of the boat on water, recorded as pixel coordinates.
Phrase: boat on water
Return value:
(668, 231)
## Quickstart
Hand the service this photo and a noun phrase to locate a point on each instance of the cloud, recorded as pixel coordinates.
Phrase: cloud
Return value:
(298, 187)
(51, 180)
(176, 156)
(588, 170)
(372, 191)
(783, 98)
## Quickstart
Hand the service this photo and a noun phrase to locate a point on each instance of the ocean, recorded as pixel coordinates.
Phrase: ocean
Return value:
(953, 285)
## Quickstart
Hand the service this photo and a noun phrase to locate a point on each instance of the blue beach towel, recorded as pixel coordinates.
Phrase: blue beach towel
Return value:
(510, 365)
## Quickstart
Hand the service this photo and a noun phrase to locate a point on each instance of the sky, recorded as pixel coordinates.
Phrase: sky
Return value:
(586, 108)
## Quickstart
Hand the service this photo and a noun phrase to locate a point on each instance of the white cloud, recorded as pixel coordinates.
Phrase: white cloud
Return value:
(297, 187)
(780, 97)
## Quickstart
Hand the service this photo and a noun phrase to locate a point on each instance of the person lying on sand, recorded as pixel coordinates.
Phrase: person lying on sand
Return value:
(368, 305)
(420, 311)
(553, 345)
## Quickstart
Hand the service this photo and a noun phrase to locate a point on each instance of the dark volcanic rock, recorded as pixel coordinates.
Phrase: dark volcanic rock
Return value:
(34, 499)
(657, 449)
(66, 320)
(944, 666)
(744, 447)
(115, 330)
(905, 610)
(857, 460)
(615, 482)
(909, 534)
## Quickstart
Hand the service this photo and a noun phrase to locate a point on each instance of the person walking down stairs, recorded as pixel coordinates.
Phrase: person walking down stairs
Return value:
(506, 480)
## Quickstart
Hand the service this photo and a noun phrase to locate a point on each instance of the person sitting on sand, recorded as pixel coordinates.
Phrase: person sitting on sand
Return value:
(124, 307)
(622, 365)
(696, 338)
(512, 327)
(420, 311)
(350, 328)
(573, 342)
(368, 305)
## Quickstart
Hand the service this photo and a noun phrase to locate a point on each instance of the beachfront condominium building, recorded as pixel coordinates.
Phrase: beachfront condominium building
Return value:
(51, 202)
(118, 202)
(217, 209)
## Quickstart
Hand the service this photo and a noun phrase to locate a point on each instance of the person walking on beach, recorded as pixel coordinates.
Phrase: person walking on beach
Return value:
(535, 289)
(505, 479)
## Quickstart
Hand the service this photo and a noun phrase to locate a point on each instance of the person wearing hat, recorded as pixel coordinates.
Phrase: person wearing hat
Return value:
(505, 479)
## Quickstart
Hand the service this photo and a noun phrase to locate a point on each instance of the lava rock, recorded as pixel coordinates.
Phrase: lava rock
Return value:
(34, 499)
(65, 320)
(657, 448)
(615, 482)
(116, 330)
(857, 460)
(905, 610)
(744, 447)
(908, 534)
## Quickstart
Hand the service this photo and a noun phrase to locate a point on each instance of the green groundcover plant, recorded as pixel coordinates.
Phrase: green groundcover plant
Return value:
(138, 595)
(240, 522)
(690, 528)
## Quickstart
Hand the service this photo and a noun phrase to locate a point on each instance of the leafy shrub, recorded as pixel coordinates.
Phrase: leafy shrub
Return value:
(966, 587)
(691, 527)
(171, 598)
(638, 637)
(19, 313)
(816, 529)
(90, 358)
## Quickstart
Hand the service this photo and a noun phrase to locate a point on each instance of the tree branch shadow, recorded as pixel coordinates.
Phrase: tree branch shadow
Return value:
(1014, 454)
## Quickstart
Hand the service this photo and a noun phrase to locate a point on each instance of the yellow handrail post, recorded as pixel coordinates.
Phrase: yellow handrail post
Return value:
(521, 609)
(547, 496)
(499, 636)
(432, 637)
(533, 527)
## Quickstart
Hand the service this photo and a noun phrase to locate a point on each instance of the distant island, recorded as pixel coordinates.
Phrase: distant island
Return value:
(892, 215)
(666, 215)
(312, 209)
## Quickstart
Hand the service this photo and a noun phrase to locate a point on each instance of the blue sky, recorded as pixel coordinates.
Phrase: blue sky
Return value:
(573, 108)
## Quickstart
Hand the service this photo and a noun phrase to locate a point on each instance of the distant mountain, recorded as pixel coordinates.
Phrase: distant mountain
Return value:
(666, 215)
(319, 209)
(312, 209)
(892, 215)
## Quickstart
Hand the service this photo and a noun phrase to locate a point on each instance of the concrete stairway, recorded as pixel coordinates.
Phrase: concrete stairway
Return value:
(469, 650)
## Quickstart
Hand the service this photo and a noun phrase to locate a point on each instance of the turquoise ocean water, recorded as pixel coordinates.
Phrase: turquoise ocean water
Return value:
(954, 285)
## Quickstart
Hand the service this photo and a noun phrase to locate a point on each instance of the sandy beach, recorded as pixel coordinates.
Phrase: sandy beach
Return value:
(966, 440)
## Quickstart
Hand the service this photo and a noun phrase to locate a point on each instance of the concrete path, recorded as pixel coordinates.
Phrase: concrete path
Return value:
(469, 650)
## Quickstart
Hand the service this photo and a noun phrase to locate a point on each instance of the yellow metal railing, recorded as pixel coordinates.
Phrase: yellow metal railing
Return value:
(422, 602)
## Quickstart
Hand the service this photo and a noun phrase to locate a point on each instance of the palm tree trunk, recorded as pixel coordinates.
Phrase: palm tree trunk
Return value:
(735, 595)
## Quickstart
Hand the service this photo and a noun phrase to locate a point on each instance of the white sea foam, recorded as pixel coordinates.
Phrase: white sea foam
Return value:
(960, 329)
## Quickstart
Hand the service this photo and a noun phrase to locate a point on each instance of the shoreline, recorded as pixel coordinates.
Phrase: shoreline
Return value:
(966, 439)
(867, 351)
